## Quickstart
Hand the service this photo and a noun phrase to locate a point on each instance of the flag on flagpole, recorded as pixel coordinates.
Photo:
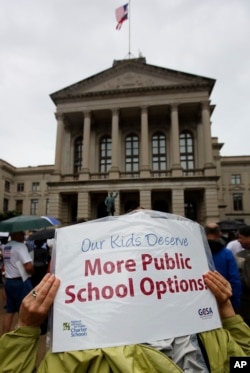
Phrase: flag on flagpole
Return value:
(121, 14)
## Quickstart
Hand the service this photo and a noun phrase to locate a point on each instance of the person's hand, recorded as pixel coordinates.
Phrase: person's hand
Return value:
(36, 305)
(222, 290)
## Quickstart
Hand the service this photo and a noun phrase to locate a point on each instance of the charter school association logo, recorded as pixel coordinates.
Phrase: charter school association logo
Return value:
(76, 328)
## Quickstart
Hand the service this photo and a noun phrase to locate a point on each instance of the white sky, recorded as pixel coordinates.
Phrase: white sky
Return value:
(46, 45)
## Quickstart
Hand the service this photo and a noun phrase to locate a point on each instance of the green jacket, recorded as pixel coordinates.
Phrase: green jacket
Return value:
(18, 351)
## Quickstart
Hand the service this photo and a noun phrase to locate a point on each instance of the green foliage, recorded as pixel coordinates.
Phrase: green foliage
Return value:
(8, 214)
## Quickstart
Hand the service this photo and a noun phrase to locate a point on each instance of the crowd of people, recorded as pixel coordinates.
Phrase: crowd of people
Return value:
(32, 297)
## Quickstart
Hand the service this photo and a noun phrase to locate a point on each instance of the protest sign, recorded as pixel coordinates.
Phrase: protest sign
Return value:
(130, 279)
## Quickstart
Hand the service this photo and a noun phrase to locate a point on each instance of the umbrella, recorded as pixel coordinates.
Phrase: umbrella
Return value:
(42, 234)
(23, 223)
(231, 225)
(52, 220)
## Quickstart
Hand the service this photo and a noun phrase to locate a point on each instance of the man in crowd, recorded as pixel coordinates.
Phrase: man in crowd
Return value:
(224, 261)
(16, 258)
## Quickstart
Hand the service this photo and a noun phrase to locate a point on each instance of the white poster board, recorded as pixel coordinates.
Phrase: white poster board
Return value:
(130, 279)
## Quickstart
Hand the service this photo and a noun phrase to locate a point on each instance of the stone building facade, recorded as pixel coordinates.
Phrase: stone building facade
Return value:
(143, 131)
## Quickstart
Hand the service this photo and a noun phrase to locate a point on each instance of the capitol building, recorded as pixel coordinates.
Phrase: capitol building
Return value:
(143, 131)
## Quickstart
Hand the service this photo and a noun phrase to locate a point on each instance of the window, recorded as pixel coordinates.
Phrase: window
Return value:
(5, 205)
(19, 206)
(186, 150)
(190, 210)
(105, 154)
(237, 201)
(47, 206)
(78, 147)
(35, 187)
(34, 207)
(159, 152)
(235, 179)
(7, 186)
(20, 187)
(132, 153)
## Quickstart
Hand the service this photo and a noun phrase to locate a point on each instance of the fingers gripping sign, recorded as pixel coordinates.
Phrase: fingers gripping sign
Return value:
(222, 291)
(36, 304)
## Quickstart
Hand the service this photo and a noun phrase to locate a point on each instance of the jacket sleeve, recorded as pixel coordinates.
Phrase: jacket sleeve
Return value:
(240, 332)
(18, 350)
(231, 340)
(234, 279)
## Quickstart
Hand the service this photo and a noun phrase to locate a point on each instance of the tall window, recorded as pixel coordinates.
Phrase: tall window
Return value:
(237, 201)
(5, 205)
(105, 153)
(235, 179)
(35, 187)
(158, 152)
(7, 186)
(190, 210)
(78, 145)
(20, 187)
(19, 206)
(186, 150)
(132, 153)
(47, 206)
(34, 207)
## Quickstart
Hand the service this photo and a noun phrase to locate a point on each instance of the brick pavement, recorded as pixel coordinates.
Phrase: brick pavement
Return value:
(42, 340)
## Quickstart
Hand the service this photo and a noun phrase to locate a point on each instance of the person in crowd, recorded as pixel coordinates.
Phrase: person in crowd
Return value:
(224, 262)
(244, 255)
(4, 241)
(41, 261)
(234, 246)
(110, 202)
(15, 258)
(18, 349)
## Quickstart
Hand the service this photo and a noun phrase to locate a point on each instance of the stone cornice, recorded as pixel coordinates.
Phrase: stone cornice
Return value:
(63, 96)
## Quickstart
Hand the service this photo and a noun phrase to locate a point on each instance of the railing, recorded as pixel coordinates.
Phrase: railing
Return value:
(136, 175)
(70, 177)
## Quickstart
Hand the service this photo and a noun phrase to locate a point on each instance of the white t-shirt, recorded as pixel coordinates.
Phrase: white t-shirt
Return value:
(234, 246)
(13, 252)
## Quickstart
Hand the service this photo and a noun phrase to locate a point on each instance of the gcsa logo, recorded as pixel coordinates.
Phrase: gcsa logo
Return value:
(205, 312)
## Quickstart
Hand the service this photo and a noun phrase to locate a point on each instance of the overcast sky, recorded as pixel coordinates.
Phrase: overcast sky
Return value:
(46, 45)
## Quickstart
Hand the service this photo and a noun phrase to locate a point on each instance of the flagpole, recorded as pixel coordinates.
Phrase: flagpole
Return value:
(129, 29)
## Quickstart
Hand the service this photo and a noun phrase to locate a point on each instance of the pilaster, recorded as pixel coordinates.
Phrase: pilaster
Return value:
(178, 202)
(145, 199)
(83, 206)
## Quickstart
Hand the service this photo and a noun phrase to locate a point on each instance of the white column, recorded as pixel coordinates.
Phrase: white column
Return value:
(175, 143)
(115, 139)
(86, 141)
(114, 170)
(59, 141)
(205, 115)
(144, 163)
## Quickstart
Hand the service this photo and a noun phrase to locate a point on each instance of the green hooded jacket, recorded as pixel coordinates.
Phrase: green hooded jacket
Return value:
(18, 350)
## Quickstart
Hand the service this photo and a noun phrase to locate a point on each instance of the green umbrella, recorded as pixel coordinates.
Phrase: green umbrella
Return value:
(23, 223)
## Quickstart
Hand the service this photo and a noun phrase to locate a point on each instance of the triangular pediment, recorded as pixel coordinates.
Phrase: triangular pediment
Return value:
(135, 74)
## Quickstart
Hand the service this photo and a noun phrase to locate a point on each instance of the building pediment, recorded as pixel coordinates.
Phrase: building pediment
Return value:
(236, 188)
(132, 75)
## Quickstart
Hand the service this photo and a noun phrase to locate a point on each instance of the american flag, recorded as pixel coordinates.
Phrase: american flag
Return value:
(121, 14)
